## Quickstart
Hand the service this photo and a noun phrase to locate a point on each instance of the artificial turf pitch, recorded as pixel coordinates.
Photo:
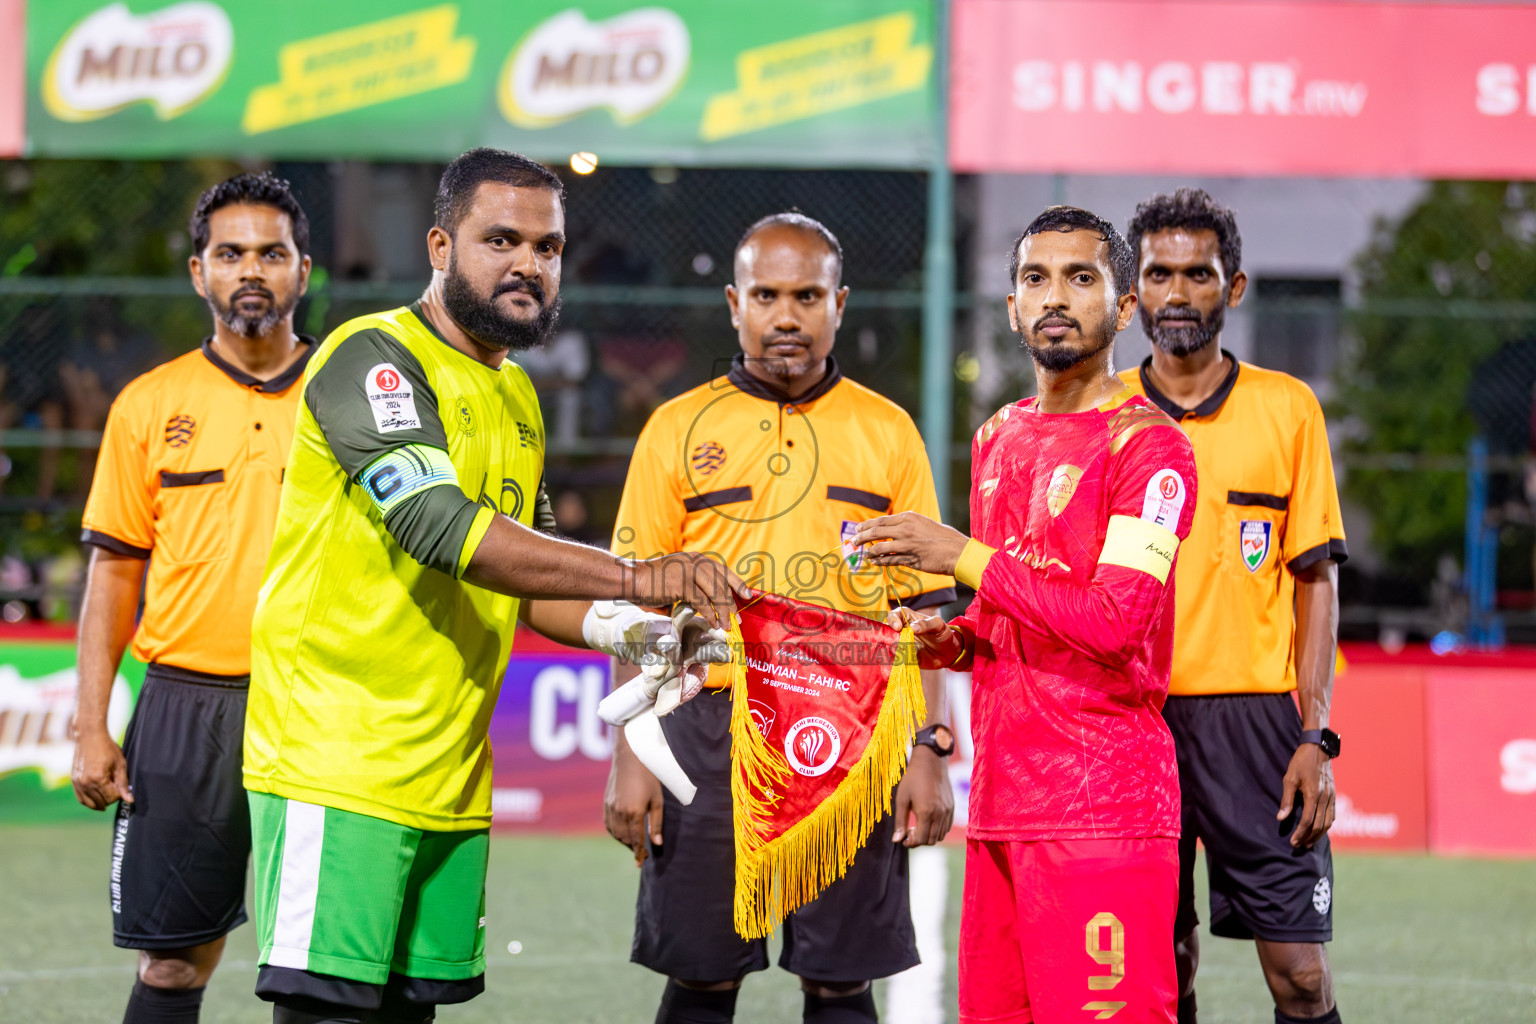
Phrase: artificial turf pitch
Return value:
(1420, 940)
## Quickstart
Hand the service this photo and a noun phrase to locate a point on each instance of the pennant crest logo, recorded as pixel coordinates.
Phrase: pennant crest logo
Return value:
(1253, 541)
(812, 746)
(1061, 488)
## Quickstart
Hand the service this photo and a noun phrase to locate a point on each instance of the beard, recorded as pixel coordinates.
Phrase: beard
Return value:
(1182, 335)
(785, 368)
(489, 326)
(246, 325)
(1057, 357)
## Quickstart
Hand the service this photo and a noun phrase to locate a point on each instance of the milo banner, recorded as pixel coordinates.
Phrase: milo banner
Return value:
(797, 82)
(37, 702)
(824, 707)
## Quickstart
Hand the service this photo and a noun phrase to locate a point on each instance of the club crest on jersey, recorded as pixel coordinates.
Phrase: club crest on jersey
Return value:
(391, 399)
(1063, 485)
(1253, 541)
(812, 746)
(464, 416)
(707, 458)
(1164, 500)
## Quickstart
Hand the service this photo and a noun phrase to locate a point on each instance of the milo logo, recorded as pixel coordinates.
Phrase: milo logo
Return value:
(35, 715)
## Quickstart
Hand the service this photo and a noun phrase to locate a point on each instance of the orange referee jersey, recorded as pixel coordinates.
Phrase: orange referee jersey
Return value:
(1267, 509)
(737, 468)
(189, 475)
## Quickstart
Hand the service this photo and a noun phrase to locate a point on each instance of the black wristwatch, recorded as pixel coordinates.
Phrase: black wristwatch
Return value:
(937, 738)
(1325, 738)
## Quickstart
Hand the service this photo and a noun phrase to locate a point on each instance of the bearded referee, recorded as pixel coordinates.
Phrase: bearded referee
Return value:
(405, 555)
(773, 465)
(186, 489)
(1257, 616)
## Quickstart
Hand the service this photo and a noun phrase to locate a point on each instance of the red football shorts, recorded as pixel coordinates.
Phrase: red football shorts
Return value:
(1069, 931)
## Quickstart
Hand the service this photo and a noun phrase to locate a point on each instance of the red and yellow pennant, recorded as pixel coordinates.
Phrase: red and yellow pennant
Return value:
(824, 707)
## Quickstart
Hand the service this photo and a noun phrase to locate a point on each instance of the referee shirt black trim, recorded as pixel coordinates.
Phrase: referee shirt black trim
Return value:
(107, 542)
(1334, 549)
(854, 496)
(713, 499)
(282, 382)
(1206, 408)
(750, 385)
(928, 599)
(192, 479)
(1278, 502)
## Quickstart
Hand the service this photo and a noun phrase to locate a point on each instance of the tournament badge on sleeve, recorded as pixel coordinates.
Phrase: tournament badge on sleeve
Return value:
(824, 707)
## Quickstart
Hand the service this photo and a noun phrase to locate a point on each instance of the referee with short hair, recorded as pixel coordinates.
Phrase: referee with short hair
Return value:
(1256, 619)
(770, 466)
(183, 504)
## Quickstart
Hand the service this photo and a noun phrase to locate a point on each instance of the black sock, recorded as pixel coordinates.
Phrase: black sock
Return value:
(854, 1009)
(288, 1009)
(1331, 1017)
(1188, 1011)
(681, 1005)
(150, 1005)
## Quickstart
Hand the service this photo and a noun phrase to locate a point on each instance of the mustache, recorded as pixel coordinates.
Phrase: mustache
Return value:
(1192, 317)
(532, 289)
(780, 337)
(1055, 320)
(251, 290)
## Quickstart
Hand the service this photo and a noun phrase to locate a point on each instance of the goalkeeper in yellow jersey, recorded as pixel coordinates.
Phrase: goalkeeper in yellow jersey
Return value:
(406, 551)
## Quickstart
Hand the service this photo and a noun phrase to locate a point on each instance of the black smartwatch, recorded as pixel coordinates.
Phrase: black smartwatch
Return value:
(1325, 738)
(937, 738)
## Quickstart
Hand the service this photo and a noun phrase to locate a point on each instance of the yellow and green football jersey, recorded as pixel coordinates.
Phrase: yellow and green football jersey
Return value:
(375, 668)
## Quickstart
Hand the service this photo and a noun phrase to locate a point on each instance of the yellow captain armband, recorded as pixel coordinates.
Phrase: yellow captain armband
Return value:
(973, 562)
(1141, 545)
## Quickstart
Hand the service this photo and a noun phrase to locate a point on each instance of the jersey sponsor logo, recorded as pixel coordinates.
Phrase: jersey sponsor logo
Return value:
(1062, 486)
(391, 399)
(179, 430)
(707, 458)
(527, 437)
(1253, 536)
(812, 746)
(1164, 500)
(1322, 896)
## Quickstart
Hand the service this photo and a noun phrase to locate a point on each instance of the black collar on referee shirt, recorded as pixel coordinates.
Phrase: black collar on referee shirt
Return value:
(279, 383)
(1205, 408)
(758, 388)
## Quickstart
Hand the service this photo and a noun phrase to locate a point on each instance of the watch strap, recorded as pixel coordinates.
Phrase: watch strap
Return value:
(928, 737)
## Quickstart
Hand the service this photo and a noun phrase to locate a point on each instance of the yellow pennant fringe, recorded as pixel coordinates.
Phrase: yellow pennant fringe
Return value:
(774, 877)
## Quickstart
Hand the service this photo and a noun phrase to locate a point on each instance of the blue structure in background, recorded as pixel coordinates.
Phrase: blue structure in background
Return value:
(1485, 629)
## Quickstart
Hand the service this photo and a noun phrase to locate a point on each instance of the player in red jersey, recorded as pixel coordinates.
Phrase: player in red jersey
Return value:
(1079, 499)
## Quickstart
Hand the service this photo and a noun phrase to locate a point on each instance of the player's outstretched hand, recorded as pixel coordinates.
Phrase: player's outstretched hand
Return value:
(939, 645)
(912, 540)
(692, 578)
(631, 801)
(1311, 773)
(100, 772)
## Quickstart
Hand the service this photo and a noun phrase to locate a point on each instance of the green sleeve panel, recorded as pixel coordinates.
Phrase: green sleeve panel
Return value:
(372, 397)
(416, 490)
(543, 512)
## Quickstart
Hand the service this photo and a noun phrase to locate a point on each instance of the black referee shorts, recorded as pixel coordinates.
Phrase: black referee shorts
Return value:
(858, 929)
(180, 850)
(1233, 751)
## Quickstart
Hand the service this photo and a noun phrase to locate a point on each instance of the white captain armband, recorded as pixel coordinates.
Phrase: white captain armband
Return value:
(397, 475)
(1139, 544)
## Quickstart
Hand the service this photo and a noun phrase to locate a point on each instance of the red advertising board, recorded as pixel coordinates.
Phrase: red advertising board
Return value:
(1240, 87)
(13, 77)
(1482, 761)
(1382, 803)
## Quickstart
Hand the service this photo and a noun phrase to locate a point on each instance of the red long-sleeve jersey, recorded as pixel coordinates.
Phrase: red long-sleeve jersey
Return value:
(1073, 620)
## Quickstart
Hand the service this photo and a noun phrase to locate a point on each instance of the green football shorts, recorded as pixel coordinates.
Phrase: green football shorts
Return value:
(357, 897)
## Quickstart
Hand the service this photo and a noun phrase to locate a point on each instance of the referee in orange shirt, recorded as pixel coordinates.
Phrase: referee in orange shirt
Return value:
(770, 467)
(1256, 619)
(187, 487)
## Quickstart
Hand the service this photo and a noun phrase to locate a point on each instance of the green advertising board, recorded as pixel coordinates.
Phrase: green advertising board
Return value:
(37, 701)
(825, 83)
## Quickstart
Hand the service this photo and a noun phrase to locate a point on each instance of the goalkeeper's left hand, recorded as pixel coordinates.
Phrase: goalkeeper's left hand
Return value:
(673, 653)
